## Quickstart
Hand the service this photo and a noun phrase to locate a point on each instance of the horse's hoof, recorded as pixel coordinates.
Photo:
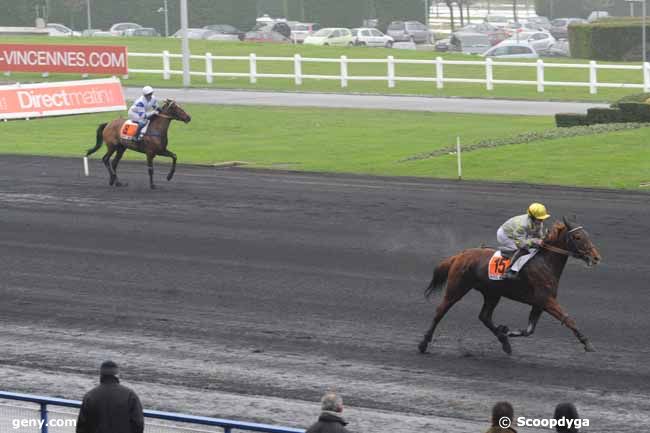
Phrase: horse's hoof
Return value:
(111, 181)
(153, 186)
(422, 347)
(589, 347)
(169, 177)
(118, 184)
(505, 344)
(503, 329)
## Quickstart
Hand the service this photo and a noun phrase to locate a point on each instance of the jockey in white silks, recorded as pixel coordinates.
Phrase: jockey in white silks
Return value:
(522, 235)
(143, 109)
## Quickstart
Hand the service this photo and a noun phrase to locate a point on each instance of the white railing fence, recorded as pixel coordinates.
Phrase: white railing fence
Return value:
(391, 78)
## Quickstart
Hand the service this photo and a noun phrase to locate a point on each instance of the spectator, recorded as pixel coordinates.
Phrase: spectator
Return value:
(110, 407)
(330, 419)
(502, 418)
(568, 411)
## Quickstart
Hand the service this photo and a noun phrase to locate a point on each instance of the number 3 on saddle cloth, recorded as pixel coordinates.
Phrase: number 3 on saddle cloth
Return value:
(129, 129)
(499, 264)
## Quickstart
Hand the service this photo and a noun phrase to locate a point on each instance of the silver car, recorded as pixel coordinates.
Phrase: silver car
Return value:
(413, 31)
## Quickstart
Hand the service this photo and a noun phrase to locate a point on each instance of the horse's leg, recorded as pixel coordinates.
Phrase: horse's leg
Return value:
(172, 155)
(106, 159)
(533, 318)
(150, 157)
(485, 316)
(453, 294)
(116, 161)
(553, 308)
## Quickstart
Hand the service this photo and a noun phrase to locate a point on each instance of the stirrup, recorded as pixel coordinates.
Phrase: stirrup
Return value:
(510, 275)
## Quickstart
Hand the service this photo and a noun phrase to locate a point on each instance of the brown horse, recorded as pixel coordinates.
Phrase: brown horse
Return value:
(153, 143)
(536, 285)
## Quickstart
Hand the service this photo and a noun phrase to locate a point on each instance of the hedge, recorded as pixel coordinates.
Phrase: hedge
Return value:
(616, 39)
(604, 115)
(567, 120)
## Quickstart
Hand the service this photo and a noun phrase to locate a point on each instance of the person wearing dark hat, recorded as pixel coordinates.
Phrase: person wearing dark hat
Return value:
(566, 412)
(110, 407)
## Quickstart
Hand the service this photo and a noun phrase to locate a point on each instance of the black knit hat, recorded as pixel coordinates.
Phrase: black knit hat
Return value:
(109, 368)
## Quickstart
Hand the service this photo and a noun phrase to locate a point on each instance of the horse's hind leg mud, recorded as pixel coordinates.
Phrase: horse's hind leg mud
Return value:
(106, 159)
(453, 293)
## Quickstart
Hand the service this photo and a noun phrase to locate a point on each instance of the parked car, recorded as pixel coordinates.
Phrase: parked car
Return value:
(194, 33)
(103, 34)
(143, 32)
(266, 36)
(414, 31)
(541, 22)
(366, 37)
(55, 29)
(558, 49)
(513, 50)
(494, 34)
(443, 44)
(226, 31)
(90, 32)
(469, 42)
(299, 31)
(539, 40)
(560, 26)
(278, 27)
(497, 20)
(330, 36)
(119, 28)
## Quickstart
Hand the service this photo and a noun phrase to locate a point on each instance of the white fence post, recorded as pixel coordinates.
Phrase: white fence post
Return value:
(391, 71)
(439, 74)
(489, 75)
(208, 68)
(646, 77)
(297, 69)
(166, 67)
(593, 79)
(253, 68)
(344, 71)
(540, 75)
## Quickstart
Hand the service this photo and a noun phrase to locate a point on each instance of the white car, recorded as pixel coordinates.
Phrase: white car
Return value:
(118, 29)
(55, 29)
(330, 36)
(510, 49)
(541, 41)
(367, 37)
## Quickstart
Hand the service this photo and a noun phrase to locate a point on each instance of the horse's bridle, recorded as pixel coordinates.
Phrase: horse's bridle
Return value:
(569, 253)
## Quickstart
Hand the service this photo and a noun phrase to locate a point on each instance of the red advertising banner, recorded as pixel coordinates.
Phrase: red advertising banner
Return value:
(85, 59)
(23, 101)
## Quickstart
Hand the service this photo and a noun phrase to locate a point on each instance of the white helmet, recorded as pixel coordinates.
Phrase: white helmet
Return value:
(147, 90)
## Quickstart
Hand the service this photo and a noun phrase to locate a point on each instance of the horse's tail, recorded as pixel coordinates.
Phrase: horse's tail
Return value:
(100, 139)
(439, 276)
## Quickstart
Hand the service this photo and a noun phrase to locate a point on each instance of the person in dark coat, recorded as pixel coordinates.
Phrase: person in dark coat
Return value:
(110, 407)
(331, 417)
(502, 418)
(569, 412)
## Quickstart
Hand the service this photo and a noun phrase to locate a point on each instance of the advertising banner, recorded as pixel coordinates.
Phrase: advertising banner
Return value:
(56, 99)
(84, 59)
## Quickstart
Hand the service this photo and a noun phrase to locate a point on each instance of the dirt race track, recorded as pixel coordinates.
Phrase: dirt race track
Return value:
(246, 294)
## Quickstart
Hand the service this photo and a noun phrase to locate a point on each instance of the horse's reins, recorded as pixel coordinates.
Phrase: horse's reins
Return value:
(560, 250)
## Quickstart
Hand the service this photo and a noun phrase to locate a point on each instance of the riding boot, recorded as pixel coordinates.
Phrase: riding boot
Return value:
(510, 273)
(137, 138)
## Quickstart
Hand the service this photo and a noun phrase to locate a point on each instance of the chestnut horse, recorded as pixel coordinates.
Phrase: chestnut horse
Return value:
(536, 285)
(153, 143)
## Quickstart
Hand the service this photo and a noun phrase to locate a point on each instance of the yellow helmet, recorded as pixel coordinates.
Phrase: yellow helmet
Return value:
(538, 211)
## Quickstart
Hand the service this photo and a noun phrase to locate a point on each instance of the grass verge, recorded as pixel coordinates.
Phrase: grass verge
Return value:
(365, 141)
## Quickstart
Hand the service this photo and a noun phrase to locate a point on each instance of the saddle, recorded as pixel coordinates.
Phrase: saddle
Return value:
(128, 130)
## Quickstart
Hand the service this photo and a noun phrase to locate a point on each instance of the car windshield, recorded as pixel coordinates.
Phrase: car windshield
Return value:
(355, 32)
(396, 26)
(323, 33)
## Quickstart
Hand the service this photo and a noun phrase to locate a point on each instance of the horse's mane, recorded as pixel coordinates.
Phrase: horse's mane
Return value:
(554, 233)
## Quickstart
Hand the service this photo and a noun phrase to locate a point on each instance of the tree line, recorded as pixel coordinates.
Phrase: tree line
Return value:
(240, 13)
